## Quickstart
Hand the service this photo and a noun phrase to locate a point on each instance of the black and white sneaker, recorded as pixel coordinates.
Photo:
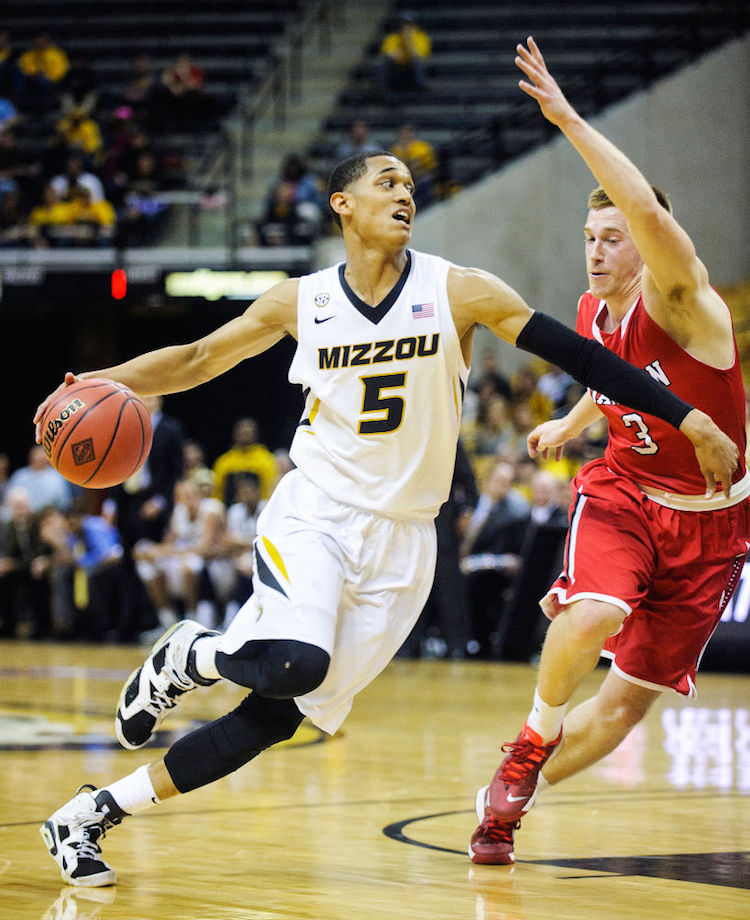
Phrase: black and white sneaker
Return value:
(72, 836)
(156, 687)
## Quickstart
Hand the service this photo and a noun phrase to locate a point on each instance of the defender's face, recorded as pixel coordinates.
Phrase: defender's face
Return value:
(613, 264)
(381, 201)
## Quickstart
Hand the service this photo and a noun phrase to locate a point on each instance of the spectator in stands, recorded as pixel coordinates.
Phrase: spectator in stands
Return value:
(444, 628)
(9, 115)
(11, 78)
(4, 475)
(181, 96)
(81, 133)
(242, 521)
(357, 140)
(493, 426)
(24, 594)
(143, 213)
(75, 175)
(490, 373)
(89, 222)
(546, 492)
(144, 502)
(42, 67)
(194, 461)
(419, 155)
(524, 386)
(403, 56)
(47, 217)
(17, 174)
(194, 541)
(555, 384)
(294, 207)
(79, 91)
(54, 569)
(139, 92)
(45, 486)
(491, 552)
(96, 559)
(14, 228)
(143, 506)
(246, 455)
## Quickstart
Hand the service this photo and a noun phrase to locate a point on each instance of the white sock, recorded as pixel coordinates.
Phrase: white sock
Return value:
(205, 657)
(541, 783)
(135, 792)
(546, 720)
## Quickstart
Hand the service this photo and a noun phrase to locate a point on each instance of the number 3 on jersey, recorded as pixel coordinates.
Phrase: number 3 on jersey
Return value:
(649, 446)
(374, 401)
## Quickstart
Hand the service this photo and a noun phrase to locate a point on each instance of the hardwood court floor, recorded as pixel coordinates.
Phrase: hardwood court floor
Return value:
(374, 823)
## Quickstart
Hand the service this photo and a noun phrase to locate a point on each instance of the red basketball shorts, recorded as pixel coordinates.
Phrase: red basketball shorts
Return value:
(672, 572)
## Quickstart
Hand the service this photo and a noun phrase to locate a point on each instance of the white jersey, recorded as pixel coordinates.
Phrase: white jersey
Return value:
(384, 388)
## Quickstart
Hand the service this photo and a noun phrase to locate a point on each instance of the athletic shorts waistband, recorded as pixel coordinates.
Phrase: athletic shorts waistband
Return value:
(739, 492)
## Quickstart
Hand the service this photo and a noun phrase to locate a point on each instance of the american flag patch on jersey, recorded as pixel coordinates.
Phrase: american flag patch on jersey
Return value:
(422, 310)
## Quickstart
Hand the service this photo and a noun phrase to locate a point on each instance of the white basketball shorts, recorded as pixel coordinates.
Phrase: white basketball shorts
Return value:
(349, 581)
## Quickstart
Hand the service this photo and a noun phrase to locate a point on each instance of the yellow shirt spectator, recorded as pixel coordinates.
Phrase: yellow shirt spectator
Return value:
(407, 43)
(81, 132)
(44, 59)
(56, 213)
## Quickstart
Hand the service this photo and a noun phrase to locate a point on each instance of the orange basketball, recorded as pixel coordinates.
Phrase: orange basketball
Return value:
(97, 433)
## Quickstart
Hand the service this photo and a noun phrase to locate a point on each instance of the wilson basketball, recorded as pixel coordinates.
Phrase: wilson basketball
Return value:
(96, 433)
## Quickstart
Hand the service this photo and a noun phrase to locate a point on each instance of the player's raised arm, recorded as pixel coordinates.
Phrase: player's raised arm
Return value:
(479, 297)
(673, 270)
(181, 367)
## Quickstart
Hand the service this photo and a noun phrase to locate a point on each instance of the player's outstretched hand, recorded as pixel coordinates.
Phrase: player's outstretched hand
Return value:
(541, 85)
(717, 455)
(548, 436)
(70, 378)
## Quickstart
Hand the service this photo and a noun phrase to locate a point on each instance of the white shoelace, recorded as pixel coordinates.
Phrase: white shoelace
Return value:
(160, 700)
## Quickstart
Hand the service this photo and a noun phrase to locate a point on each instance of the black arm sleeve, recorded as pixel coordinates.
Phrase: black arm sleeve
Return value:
(595, 366)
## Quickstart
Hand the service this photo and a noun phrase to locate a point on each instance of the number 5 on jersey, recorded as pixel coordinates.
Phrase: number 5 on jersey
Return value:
(374, 401)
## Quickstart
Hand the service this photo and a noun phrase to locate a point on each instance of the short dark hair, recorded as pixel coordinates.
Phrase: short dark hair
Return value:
(348, 171)
(599, 199)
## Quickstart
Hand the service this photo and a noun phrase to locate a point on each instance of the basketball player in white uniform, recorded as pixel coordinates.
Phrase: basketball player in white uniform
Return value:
(345, 550)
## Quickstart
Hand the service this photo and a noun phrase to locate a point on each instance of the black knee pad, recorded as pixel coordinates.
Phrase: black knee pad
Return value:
(223, 746)
(276, 668)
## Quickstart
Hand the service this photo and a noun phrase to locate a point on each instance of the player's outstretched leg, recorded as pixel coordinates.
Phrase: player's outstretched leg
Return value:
(513, 788)
(492, 842)
(156, 687)
(72, 836)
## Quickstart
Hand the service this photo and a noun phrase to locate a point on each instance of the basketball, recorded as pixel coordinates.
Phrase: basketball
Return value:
(96, 433)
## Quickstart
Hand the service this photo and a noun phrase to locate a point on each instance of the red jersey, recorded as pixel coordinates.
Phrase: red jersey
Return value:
(646, 448)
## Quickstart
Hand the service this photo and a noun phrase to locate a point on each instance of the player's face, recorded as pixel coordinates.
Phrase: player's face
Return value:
(382, 201)
(612, 261)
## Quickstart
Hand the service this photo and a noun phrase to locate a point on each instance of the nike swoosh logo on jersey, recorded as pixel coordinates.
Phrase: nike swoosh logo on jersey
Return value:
(323, 319)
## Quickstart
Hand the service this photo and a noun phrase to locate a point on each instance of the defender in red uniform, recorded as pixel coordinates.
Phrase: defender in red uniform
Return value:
(652, 558)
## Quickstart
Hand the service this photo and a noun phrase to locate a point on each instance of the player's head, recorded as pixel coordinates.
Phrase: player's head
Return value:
(375, 190)
(613, 263)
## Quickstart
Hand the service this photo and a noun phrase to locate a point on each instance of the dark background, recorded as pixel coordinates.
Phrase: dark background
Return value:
(74, 324)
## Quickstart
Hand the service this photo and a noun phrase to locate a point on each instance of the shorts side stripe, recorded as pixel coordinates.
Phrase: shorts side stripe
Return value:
(572, 536)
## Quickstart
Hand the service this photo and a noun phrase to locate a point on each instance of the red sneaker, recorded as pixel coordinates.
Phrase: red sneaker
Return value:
(492, 842)
(513, 788)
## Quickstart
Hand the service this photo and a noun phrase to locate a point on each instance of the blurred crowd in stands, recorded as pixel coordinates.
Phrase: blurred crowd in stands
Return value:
(176, 539)
(82, 164)
(79, 165)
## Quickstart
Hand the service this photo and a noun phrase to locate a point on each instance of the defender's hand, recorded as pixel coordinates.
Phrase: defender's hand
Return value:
(550, 435)
(717, 455)
(542, 86)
